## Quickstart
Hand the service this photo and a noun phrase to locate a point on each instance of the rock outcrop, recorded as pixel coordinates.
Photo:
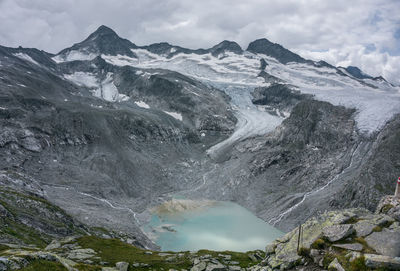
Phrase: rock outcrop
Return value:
(339, 240)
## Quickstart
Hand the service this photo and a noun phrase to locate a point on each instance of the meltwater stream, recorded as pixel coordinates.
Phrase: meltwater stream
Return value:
(209, 225)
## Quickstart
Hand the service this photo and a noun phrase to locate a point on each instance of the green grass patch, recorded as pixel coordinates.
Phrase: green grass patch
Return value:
(366, 247)
(23, 233)
(41, 265)
(85, 267)
(14, 197)
(386, 208)
(358, 264)
(377, 229)
(328, 258)
(114, 250)
(27, 206)
(304, 252)
(318, 244)
(100, 230)
(352, 220)
(3, 247)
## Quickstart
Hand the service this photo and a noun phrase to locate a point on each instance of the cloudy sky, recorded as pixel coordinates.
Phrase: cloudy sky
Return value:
(365, 33)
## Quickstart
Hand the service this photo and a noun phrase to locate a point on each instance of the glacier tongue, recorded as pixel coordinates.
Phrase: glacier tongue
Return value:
(251, 120)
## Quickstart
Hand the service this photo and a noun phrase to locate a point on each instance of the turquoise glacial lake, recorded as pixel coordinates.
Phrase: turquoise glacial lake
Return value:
(217, 226)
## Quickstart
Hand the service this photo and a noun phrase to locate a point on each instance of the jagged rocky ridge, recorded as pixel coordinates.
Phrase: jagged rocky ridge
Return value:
(108, 129)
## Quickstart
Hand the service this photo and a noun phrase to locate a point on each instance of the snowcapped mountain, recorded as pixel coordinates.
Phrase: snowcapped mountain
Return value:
(109, 128)
(103, 41)
(227, 64)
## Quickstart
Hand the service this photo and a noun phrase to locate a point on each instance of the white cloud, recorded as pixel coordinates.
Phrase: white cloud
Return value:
(361, 33)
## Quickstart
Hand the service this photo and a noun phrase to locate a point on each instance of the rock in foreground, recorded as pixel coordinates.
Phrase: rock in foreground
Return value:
(340, 240)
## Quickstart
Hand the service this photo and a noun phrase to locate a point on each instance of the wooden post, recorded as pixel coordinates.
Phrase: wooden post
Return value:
(397, 192)
(298, 240)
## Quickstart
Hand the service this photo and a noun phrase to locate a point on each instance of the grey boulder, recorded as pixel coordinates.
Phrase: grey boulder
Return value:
(337, 232)
(335, 265)
(380, 261)
(386, 242)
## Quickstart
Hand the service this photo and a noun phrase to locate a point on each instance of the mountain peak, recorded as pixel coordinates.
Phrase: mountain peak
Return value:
(103, 32)
(226, 46)
(104, 29)
(277, 51)
(102, 41)
(357, 73)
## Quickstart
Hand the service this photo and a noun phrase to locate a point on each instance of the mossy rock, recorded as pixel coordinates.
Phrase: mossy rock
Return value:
(386, 208)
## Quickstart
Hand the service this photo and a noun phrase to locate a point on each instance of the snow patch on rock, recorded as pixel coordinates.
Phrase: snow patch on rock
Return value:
(142, 104)
(104, 89)
(177, 116)
(74, 55)
(26, 57)
(82, 79)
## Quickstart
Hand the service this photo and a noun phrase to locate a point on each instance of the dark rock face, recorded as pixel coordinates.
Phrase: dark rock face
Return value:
(278, 96)
(378, 174)
(283, 55)
(40, 57)
(318, 124)
(357, 73)
(103, 41)
(322, 63)
(166, 49)
(379, 78)
(269, 78)
(225, 46)
(263, 64)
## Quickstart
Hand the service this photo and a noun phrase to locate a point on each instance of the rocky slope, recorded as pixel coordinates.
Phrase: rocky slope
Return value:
(95, 137)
